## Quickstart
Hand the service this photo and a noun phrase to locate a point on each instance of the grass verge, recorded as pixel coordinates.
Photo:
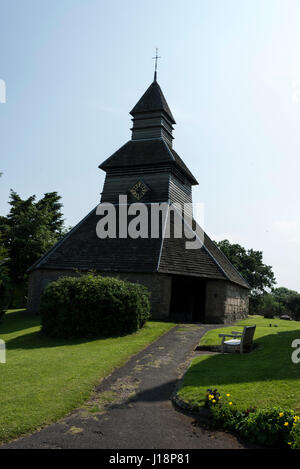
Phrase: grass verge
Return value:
(266, 377)
(44, 379)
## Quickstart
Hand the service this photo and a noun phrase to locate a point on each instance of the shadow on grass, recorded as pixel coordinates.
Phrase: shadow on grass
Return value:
(271, 360)
(18, 321)
(36, 339)
(21, 320)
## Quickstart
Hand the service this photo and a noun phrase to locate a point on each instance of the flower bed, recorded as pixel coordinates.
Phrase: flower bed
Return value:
(270, 427)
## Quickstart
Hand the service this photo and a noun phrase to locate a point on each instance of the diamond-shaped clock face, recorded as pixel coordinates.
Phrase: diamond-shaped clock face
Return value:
(139, 190)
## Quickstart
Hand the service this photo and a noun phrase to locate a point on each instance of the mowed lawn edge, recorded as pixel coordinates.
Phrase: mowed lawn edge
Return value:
(44, 379)
(266, 377)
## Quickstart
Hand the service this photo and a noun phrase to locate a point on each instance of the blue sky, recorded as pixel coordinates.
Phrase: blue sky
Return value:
(230, 71)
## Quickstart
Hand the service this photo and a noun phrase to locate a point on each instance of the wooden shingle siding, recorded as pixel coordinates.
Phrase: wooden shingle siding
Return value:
(153, 100)
(179, 192)
(206, 262)
(116, 185)
(150, 153)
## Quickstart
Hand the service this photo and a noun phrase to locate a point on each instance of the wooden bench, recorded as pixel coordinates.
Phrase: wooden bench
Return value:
(241, 341)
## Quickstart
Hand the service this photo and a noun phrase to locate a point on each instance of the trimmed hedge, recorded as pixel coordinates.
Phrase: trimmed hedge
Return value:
(93, 306)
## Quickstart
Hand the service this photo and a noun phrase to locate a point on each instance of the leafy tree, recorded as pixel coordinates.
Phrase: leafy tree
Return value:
(289, 301)
(30, 228)
(250, 265)
(269, 306)
(4, 277)
(283, 294)
(293, 305)
(51, 203)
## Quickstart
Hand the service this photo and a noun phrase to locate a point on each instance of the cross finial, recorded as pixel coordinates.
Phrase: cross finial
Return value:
(155, 70)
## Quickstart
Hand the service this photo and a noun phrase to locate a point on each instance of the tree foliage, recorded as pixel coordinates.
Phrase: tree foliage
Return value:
(30, 229)
(51, 203)
(4, 277)
(288, 301)
(250, 265)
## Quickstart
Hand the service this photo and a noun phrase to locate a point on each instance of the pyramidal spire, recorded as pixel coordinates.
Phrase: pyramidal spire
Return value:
(152, 117)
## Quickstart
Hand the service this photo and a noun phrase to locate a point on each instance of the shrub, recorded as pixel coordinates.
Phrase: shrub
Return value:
(295, 436)
(269, 427)
(212, 397)
(226, 417)
(92, 306)
(269, 306)
(293, 305)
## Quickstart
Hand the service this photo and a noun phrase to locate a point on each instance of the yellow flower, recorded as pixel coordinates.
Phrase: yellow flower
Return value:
(228, 395)
(289, 443)
(214, 401)
(286, 424)
(296, 418)
(281, 414)
(230, 403)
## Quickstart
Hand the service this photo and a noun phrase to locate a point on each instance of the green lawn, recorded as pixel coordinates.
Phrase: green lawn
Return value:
(265, 377)
(43, 379)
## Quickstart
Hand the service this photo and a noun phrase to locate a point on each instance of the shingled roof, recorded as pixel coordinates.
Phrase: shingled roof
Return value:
(146, 152)
(82, 249)
(206, 262)
(153, 100)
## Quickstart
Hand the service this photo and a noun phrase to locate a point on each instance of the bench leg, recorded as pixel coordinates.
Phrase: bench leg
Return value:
(222, 345)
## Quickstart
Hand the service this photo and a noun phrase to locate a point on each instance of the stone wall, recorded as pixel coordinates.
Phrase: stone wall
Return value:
(215, 301)
(226, 302)
(237, 303)
(158, 284)
(38, 280)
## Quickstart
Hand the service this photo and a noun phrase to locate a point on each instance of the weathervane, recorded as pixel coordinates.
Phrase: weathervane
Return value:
(156, 57)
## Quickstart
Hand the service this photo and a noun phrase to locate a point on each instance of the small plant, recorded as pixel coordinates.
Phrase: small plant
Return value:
(212, 397)
(269, 427)
(294, 442)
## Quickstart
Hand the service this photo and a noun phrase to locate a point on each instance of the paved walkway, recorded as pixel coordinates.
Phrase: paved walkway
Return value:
(132, 409)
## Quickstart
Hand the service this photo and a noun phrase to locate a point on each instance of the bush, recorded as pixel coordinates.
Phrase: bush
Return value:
(269, 306)
(293, 305)
(269, 427)
(295, 437)
(93, 306)
(5, 291)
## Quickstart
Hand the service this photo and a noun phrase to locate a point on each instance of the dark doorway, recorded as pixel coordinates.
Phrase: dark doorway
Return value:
(188, 299)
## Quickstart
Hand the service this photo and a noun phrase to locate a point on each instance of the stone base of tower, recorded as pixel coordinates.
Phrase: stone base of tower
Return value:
(226, 302)
(158, 284)
(174, 297)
